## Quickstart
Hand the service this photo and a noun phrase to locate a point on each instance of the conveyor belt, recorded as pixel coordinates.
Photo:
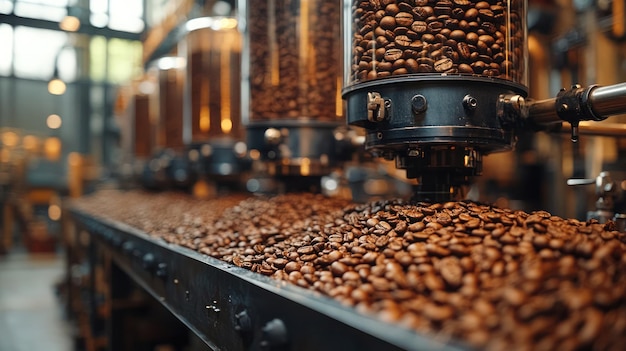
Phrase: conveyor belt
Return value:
(231, 308)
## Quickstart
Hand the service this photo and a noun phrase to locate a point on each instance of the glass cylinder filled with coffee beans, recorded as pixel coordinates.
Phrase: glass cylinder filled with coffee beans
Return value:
(140, 130)
(212, 46)
(426, 79)
(292, 85)
(170, 75)
(168, 167)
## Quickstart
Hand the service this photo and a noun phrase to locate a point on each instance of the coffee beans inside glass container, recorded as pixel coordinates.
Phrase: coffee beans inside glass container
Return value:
(293, 53)
(470, 37)
(213, 47)
(168, 101)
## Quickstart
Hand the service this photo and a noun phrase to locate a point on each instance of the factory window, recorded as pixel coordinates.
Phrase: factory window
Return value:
(124, 59)
(122, 15)
(98, 59)
(6, 6)
(36, 52)
(114, 60)
(99, 13)
(52, 10)
(126, 15)
(6, 54)
(67, 64)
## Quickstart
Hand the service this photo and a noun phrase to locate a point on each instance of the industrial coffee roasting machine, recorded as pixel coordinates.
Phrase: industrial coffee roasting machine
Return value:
(435, 85)
(439, 86)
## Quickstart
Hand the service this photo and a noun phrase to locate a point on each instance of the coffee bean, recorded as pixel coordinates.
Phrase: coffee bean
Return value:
(403, 41)
(388, 23)
(338, 268)
(486, 276)
(451, 271)
(404, 19)
(437, 312)
(305, 250)
(443, 65)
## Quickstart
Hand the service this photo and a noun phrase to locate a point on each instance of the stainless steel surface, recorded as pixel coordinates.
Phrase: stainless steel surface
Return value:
(543, 111)
(609, 100)
(603, 101)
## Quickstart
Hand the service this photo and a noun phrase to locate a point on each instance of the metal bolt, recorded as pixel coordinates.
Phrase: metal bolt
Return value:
(243, 323)
(470, 103)
(161, 270)
(419, 104)
(274, 335)
(128, 247)
(272, 136)
(148, 261)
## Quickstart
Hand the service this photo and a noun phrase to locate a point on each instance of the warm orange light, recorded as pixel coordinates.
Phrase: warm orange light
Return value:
(10, 139)
(227, 125)
(54, 212)
(31, 143)
(205, 119)
(52, 148)
(56, 87)
(619, 22)
(226, 122)
(70, 24)
(5, 155)
(305, 166)
(54, 121)
(255, 154)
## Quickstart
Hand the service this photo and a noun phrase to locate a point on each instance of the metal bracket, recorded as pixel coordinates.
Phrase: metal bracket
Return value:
(376, 107)
(511, 109)
(573, 106)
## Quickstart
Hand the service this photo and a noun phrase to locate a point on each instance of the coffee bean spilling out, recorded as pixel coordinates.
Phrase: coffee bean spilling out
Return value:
(294, 59)
(475, 37)
(490, 277)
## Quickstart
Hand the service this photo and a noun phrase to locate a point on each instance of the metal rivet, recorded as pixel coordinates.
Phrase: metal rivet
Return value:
(419, 104)
(470, 103)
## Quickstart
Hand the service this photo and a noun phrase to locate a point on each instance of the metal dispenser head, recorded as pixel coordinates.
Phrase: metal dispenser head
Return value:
(291, 83)
(424, 77)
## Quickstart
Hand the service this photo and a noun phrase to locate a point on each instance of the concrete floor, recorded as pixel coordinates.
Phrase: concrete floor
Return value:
(31, 315)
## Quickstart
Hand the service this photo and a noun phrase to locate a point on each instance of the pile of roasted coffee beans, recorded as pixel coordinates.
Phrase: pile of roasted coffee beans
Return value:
(295, 59)
(494, 278)
(392, 37)
(161, 214)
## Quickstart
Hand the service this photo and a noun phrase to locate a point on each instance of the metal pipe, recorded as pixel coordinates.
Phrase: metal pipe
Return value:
(616, 130)
(609, 100)
(604, 101)
(543, 112)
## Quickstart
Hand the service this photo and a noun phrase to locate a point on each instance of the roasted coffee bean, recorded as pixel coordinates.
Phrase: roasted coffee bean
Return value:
(489, 277)
(388, 23)
(403, 41)
(443, 65)
(404, 19)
